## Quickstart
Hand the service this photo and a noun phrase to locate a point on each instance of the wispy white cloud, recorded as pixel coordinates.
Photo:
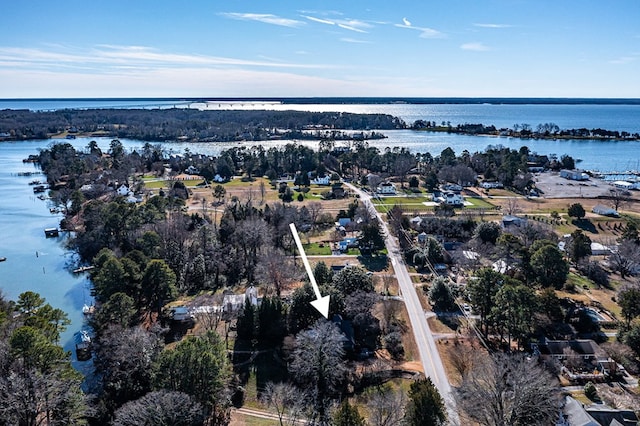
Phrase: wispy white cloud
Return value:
(353, 40)
(475, 46)
(425, 32)
(187, 82)
(625, 59)
(492, 25)
(356, 25)
(266, 18)
(319, 20)
(101, 58)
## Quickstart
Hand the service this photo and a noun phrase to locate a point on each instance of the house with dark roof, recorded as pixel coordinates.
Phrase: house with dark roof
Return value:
(574, 413)
(581, 359)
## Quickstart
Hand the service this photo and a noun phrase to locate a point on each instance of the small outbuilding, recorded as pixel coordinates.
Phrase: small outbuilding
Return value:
(605, 211)
(574, 174)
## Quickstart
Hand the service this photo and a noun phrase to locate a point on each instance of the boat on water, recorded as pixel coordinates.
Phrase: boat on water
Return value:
(83, 269)
(2, 259)
(83, 345)
(88, 310)
(51, 232)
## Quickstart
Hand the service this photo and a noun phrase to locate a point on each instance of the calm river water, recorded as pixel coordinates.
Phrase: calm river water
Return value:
(43, 264)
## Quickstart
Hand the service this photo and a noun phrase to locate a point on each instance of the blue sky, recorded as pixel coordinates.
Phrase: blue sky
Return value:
(208, 48)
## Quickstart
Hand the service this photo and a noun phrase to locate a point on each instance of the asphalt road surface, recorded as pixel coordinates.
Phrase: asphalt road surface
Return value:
(429, 355)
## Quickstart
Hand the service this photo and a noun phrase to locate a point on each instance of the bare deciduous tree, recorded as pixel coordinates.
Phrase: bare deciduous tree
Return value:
(289, 402)
(618, 198)
(161, 407)
(462, 357)
(318, 363)
(513, 206)
(386, 407)
(625, 259)
(508, 390)
(314, 208)
(277, 269)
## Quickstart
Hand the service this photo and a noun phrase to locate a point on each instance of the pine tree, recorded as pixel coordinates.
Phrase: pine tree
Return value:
(347, 415)
(425, 406)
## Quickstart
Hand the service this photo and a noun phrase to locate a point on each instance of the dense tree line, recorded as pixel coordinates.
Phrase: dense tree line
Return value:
(523, 130)
(180, 123)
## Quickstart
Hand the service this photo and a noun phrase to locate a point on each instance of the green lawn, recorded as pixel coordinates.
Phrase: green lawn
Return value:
(415, 204)
(314, 249)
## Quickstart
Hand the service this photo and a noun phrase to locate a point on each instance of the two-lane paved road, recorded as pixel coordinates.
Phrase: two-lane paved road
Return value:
(429, 355)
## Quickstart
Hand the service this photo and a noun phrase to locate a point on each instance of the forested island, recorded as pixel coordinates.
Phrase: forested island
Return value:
(184, 124)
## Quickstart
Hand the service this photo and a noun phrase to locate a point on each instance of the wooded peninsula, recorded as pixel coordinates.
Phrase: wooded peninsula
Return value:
(184, 124)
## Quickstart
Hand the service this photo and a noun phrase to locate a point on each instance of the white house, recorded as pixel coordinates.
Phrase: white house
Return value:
(453, 199)
(124, 190)
(321, 180)
(491, 185)
(452, 187)
(386, 188)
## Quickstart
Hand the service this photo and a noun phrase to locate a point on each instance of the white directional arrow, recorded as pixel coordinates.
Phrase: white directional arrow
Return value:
(321, 303)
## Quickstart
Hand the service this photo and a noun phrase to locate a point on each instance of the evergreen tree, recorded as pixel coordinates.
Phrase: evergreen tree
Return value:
(440, 295)
(246, 325)
(347, 415)
(579, 246)
(425, 406)
(576, 210)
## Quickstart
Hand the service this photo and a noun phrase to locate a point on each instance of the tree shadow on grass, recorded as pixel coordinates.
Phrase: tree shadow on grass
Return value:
(586, 225)
(374, 263)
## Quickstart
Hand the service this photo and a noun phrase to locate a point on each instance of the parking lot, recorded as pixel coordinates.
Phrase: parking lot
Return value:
(553, 186)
